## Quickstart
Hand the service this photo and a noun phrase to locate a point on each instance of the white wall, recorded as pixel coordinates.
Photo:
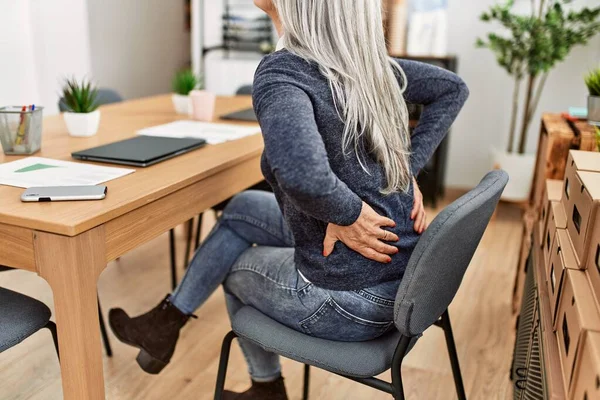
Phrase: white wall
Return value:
(137, 45)
(484, 122)
(41, 42)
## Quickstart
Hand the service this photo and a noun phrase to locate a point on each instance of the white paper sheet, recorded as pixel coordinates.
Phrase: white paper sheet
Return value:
(212, 133)
(37, 171)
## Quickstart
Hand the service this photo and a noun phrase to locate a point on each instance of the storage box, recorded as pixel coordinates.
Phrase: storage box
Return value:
(577, 313)
(586, 374)
(582, 201)
(553, 192)
(562, 258)
(557, 220)
(593, 262)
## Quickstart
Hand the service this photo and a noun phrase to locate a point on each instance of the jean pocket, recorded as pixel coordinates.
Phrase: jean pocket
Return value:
(333, 322)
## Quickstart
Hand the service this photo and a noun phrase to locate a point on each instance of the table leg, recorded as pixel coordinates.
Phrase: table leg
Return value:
(72, 265)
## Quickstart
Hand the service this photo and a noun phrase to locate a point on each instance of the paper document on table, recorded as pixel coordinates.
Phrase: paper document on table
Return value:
(212, 133)
(36, 171)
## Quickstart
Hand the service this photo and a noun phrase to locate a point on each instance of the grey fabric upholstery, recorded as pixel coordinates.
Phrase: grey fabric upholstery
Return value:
(432, 278)
(441, 257)
(20, 317)
(105, 96)
(359, 359)
(244, 90)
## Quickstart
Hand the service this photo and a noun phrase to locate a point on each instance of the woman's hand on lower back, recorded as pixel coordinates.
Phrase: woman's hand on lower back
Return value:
(418, 213)
(365, 236)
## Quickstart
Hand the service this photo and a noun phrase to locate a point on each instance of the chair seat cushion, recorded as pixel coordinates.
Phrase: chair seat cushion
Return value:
(357, 359)
(20, 317)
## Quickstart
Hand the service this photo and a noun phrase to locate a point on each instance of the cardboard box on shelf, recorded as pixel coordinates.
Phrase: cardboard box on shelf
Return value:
(552, 192)
(593, 263)
(577, 313)
(557, 220)
(562, 258)
(586, 374)
(582, 204)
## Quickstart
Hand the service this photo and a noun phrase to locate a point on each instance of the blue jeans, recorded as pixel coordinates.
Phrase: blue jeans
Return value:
(251, 252)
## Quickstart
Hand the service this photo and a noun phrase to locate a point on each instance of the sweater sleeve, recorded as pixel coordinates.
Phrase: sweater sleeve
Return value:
(443, 94)
(295, 150)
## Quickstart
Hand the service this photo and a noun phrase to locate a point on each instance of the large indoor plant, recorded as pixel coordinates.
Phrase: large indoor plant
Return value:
(528, 48)
(183, 83)
(592, 80)
(83, 117)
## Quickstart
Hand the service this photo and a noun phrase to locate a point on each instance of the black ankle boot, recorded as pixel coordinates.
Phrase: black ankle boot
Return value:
(260, 391)
(154, 333)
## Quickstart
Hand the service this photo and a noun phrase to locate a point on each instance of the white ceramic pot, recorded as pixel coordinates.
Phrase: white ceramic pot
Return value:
(594, 110)
(203, 105)
(82, 125)
(520, 169)
(182, 104)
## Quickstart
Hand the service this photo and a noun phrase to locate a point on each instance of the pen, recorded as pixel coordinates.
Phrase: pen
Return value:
(21, 128)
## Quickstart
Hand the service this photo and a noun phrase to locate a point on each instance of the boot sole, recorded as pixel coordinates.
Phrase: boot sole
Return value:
(145, 360)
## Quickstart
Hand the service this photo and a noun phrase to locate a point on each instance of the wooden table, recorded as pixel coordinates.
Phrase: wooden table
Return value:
(69, 244)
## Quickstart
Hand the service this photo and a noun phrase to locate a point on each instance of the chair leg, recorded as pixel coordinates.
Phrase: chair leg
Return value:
(225, 350)
(306, 382)
(173, 259)
(458, 381)
(198, 232)
(105, 338)
(399, 354)
(188, 244)
(51, 326)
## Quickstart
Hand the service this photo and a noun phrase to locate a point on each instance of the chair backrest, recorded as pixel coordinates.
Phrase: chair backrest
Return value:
(105, 96)
(244, 90)
(442, 255)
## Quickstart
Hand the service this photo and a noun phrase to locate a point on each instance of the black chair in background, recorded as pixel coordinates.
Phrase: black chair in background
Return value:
(21, 316)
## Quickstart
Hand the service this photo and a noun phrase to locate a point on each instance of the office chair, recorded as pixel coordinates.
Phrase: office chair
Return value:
(105, 340)
(432, 278)
(21, 317)
(244, 90)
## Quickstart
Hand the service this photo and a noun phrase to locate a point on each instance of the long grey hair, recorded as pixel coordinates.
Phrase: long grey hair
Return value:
(345, 39)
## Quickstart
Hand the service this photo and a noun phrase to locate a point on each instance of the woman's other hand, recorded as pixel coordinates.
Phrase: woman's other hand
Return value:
(418, 213)
(365, 236)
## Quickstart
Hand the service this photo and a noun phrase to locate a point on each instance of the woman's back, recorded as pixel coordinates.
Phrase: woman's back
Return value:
(316, 180)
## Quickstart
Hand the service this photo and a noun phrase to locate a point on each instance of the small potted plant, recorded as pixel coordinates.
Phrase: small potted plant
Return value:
(183, 83)
(83, 116)
(592, 80)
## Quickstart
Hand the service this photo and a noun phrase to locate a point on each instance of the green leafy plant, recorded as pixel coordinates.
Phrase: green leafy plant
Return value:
(80, 96)
(592, 80)
(598, 137)
(532, 45)
(185, 81)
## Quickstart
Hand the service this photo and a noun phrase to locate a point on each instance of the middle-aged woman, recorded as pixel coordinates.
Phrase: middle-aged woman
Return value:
(325, 254)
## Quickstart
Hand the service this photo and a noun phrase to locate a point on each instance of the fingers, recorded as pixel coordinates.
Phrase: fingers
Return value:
(383, 248)
(420, 222)
(328, 244)
(375, 256)
(387, 236)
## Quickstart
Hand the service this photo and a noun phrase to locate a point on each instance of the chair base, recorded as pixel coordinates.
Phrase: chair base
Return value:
(395, 388)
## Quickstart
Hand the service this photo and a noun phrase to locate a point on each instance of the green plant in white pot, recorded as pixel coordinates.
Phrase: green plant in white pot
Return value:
(83, 116)
(592, 80)
(528, 47)
(183, 83)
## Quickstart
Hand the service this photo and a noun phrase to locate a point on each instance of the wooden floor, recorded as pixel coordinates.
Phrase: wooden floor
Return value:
(481, 315)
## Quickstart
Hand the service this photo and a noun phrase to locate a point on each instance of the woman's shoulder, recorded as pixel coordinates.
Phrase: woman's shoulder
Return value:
(284, 63)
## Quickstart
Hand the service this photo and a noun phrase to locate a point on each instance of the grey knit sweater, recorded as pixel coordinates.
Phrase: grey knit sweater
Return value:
(316, 183)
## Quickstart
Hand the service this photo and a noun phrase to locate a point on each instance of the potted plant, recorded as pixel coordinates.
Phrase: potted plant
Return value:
(83, 116)
(183, 83)
(592, 80)
(528, 50)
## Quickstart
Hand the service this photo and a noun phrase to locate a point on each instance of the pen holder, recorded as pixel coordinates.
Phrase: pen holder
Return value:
(20, 131)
